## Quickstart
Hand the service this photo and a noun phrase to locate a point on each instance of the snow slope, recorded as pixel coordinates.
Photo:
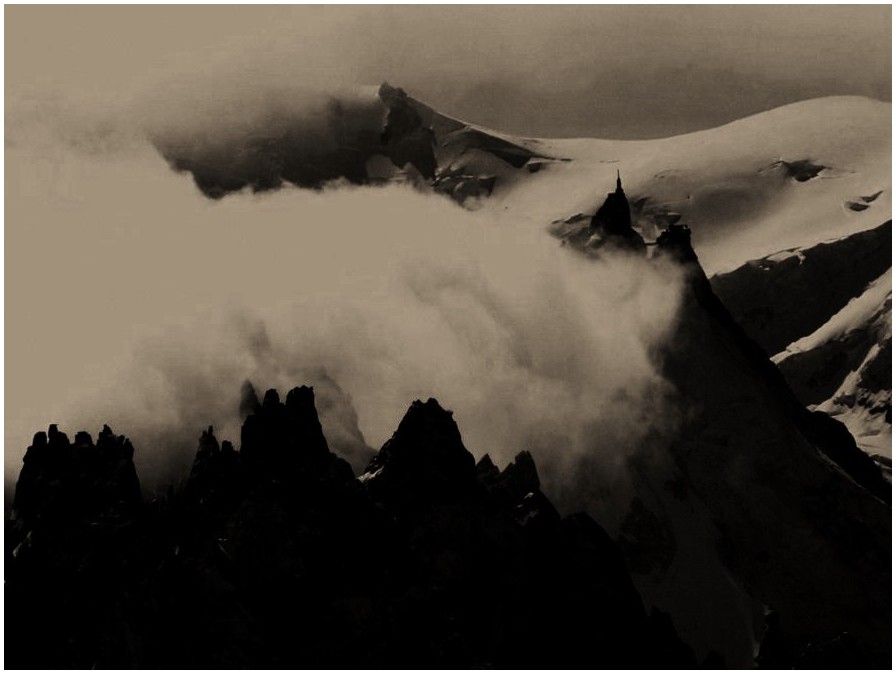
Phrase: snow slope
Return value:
(781, 179)
(857, 312)
(746, 189)
(863, 400)
(768, 186)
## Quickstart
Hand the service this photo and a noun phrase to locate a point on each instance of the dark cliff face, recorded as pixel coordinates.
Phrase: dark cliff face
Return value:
(276, 556)
(746, 486)
(795, 294)
(796, 513)
(703, 305)
(770, 297)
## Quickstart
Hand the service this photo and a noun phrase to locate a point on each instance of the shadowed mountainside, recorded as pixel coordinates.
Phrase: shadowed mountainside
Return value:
(732, 527)
(769, 297)
(780, 499)
(277, 556)
(824, 314)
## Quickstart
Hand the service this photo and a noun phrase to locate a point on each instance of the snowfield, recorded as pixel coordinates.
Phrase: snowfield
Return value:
(782, 179)
(765, 186)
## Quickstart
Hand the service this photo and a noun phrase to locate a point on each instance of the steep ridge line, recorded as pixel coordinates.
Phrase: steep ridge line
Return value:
(275, 556)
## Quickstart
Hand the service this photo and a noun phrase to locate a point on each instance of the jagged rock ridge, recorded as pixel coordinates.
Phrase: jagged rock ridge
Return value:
(276, 556)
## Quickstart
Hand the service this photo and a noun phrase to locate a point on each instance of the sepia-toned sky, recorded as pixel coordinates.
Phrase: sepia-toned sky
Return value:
(579, 70)
(106, 248)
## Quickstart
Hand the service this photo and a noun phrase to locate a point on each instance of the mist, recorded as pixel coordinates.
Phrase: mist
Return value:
(135, 301)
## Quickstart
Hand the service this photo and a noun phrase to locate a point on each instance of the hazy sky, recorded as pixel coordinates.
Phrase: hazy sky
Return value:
(598, 70)
(107, 249)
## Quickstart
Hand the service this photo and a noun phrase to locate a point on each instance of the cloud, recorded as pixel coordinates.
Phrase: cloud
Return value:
(135, 301)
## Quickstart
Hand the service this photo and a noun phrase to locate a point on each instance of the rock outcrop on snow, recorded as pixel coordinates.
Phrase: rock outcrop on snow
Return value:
(367, 137)
(612, 223)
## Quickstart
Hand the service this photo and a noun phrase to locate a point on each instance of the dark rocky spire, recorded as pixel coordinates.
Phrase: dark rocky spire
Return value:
(612, 223)
(424, 460)
(249, 403)
(285, 441)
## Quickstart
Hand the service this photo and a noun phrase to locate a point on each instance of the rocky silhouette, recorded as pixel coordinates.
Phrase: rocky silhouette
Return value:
(608, 230)
(75, 538)
(612, 223)
(277, 556)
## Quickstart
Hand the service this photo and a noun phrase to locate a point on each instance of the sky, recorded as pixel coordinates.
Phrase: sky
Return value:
(611, 71)
(108, 252)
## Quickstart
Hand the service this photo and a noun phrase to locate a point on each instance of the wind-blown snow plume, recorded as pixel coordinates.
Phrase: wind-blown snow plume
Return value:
(136, 301)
